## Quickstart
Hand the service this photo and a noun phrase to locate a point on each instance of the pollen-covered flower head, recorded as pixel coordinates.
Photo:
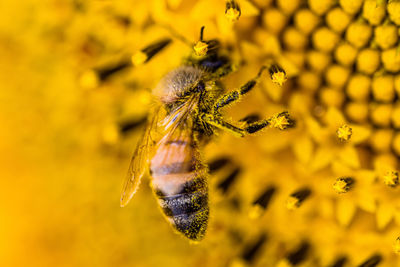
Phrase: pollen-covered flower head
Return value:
(324, 192)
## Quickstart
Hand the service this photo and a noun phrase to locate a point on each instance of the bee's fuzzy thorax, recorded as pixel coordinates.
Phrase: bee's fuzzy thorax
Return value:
(177, 82)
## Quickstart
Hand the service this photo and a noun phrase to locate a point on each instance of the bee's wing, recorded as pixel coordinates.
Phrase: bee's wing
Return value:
(177, 117)
(139, 163)
(140, 160)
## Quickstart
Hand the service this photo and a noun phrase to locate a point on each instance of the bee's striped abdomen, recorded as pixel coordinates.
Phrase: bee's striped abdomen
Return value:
(179, 180)
(187, 212)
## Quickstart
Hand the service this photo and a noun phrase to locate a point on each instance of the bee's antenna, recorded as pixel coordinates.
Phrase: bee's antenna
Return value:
(201, 33)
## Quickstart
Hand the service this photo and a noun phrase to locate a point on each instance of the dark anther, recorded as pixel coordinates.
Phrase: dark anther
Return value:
(251, 250)
(218, 163)
(298, 255)
(228, 181)
(106, 71)
(264, 199)
(372, 262)
(340, 262)
(154, 48)
(302, 194)
(128, 125)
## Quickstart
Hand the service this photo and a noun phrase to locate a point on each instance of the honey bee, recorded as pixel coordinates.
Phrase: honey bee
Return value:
(191, 98)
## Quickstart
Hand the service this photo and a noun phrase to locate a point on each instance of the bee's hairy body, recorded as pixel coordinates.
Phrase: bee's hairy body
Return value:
(179, 178)
(180, 184)
(188, 116)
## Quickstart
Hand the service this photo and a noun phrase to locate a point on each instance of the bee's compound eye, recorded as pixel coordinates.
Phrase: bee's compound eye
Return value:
(200, 86)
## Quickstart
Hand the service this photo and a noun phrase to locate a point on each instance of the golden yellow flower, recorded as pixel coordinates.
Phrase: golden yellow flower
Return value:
(78, 82)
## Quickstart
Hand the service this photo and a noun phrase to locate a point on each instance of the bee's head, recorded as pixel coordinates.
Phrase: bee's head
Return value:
(199, 87)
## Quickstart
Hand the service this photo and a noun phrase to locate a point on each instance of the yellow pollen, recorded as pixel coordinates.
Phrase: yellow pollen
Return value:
(292, 203)
(232, 14)
(200, 49)
(255, 212)
(280, 122)
(341, 186)
(396, 246)
(279, 78)
(344, 133)
(391, 178)
(238, 262)
(139, 58)
(89, 79)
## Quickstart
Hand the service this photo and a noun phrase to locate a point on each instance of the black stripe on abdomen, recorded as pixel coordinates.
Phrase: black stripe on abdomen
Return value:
(193, 225)
(183, 203)
(188, 210)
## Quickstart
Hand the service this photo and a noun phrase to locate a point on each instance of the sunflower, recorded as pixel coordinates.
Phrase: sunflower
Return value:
(321, 194)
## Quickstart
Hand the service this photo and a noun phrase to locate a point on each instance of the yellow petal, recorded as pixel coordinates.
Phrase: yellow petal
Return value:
(315, 129)
(303, 149)
(360, 133)
(396, 246)
(345, 210)
(250, 49)
(367, 202)
(290, 68)
(202, 10)
(384, 215)
(322, 158)
(334, 117)
(273, 90)
(248, 9)
(284, 263)
(269, 43)
(327, 208)
(396, 215)
(174, 3)
(366, 176)
(384, 163)
(349, 156)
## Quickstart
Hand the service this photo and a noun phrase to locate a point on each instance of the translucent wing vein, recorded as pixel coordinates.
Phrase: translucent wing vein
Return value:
(138, 165)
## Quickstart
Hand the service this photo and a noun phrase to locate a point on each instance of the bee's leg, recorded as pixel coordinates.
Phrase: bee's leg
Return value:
(234, 96)
(280, 121)
(253, 117)
(223, 125)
